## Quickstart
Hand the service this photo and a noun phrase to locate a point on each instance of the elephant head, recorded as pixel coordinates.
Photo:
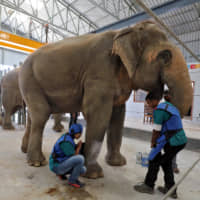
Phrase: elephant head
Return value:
(151, 61)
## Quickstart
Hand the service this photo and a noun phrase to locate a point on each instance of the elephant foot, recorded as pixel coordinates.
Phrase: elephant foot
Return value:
(58, 127)
(94, 171)
(24, 148)
(8, 127)
(36, 159)
(115, 159)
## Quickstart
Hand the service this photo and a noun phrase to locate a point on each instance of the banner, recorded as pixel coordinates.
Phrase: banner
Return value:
(193, 66)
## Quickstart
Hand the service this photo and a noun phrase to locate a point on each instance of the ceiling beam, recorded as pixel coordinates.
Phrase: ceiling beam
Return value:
(166, 7)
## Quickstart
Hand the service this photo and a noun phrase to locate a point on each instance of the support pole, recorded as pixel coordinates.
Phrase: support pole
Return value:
(180, 180)
(151, 13)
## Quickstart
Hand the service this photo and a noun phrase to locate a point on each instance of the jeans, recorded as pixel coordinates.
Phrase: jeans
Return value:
(165, 161)
(73, 165)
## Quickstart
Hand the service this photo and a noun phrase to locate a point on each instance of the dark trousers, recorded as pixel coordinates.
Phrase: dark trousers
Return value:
(73, 119)
(165, 161)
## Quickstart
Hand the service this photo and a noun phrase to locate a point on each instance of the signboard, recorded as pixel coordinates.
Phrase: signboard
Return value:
(193, 66)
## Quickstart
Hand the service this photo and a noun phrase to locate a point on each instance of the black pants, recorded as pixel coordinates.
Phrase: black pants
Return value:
(165, 161)
(73, 119)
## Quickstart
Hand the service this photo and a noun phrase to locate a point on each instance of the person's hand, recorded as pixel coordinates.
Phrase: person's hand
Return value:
(153, 145)
(78, 147)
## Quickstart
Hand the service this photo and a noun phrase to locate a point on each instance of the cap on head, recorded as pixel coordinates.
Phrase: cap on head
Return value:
(75, 128)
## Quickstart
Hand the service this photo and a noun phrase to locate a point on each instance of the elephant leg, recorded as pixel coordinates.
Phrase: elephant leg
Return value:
(97, 114)
(24, 146)
(114, 137)
(58, 127)
(7, 124)
(39, 114)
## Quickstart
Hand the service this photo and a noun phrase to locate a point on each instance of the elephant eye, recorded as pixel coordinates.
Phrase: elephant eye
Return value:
(165, 56)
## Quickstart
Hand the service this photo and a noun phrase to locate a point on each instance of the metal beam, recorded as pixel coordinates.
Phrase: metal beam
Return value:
(77, 12)
(166, 7)
(103, 9)
(53, 27)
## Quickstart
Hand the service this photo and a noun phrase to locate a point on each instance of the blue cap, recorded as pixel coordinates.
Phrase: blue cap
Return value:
(75, 128)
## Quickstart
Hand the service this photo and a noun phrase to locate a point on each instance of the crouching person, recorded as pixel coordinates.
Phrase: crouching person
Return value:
(65, 157)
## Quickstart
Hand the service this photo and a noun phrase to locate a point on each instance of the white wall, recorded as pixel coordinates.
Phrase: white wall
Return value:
(195, 76)
(134, 109)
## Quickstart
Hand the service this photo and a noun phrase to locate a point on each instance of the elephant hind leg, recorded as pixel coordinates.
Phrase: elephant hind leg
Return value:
(114, 137)
(24, 146)
(39, 112)
(58, 127)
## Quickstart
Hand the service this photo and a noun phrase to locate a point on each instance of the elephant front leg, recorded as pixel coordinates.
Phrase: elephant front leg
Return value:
(97, 115)
(114, 137)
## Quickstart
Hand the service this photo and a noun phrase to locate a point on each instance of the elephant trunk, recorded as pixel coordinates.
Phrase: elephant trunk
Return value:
(177, 78)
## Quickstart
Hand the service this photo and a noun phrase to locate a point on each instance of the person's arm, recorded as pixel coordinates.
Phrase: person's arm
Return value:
(154, 137)
(78, 147)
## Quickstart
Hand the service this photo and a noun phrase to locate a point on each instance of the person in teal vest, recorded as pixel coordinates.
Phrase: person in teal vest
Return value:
(65, 157)
(168, 134)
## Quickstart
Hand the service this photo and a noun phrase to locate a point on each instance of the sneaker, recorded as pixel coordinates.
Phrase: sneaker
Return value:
(77, 184)
(164, 190)
(143, 188)
(80, 183)
(62, 177)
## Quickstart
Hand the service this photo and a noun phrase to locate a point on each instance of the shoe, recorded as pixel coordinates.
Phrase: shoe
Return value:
(143, 188)
(77, 184)
(62, 177)
(164, 190)
(74, 185)
(176, 170)
(80, 183)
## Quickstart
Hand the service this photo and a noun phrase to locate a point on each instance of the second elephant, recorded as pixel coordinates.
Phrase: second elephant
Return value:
(12, 101)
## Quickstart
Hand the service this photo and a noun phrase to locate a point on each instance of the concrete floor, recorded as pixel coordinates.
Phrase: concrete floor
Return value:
(18, 181)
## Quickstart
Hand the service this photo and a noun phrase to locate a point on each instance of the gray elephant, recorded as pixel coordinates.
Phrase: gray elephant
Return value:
(95, 74)
(12, 101)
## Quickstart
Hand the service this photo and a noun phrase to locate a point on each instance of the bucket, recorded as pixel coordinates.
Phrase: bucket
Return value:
(142, 159)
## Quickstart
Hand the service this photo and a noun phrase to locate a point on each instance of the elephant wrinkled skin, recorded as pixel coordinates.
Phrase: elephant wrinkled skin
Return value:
(95, 74)
(12, 101)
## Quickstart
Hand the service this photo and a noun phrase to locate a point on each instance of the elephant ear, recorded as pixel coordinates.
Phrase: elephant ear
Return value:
(123, 47)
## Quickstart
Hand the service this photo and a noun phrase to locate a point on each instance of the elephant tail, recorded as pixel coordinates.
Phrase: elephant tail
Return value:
(24, 113)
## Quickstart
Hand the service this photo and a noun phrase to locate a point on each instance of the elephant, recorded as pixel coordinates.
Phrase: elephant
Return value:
(12, 101)
(95, 74)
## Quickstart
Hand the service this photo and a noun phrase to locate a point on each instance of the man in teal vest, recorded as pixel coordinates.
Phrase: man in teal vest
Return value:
(64, 158)
(168, 134)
